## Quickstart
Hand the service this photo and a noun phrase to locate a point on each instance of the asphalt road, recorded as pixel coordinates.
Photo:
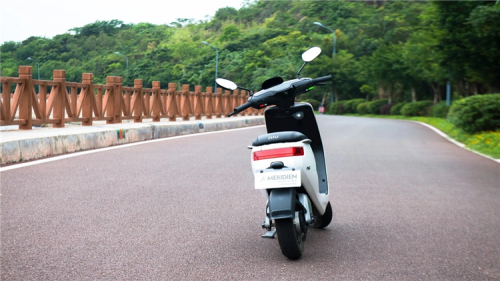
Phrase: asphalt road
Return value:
(408, 205)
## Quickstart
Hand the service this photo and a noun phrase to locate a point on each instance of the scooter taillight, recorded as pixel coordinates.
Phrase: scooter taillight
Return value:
(277, 153)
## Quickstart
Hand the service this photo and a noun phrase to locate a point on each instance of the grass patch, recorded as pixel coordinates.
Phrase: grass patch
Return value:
(487, 143)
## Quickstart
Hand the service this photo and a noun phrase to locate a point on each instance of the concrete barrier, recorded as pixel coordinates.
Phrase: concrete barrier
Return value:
(18, 145)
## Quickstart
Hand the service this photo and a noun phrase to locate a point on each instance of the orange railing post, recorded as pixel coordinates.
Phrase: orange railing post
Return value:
(156, 101)
(210, 105)
(198, 103)
(89, 99)
(172, 102)
(219, 103)
(192, 103)
(236, 101)
(26, 98)
(136, 104)
(6, 95)
(109, 99)
(163, 103)
(118, 99)
(60, 98)
(186, 106)
(228, 103)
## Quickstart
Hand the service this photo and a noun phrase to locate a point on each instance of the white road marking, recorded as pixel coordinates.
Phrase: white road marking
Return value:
(454, 141)
(75, 154)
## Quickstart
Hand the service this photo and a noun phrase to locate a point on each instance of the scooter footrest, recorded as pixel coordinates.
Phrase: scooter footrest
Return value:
(270, 234)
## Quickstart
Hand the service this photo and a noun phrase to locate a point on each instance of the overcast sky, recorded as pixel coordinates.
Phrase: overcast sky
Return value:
(21, 19)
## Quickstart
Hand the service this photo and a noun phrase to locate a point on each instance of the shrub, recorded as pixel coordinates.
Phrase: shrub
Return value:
(351, 105)
(386, 109)
(428, 110)
(337, 108)
(476, 113)
(396, 109)
(313, 102)
(415, 108)
(440, 110)
(374, 106)
(363, 108)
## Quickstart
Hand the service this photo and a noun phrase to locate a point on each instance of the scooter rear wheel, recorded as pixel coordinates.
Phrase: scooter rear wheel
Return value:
(291, 240)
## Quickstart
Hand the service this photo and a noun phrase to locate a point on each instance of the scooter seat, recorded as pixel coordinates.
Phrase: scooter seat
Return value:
(287, 136)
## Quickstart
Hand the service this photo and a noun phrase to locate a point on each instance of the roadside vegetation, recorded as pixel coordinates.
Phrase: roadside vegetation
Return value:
(473, 121)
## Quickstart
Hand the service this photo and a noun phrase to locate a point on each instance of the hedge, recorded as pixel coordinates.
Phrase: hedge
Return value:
(337, 108)
(350, 106)
(476, 113)
(440, 110)
(396, 109)
(386, 109)
(363, 108)
(415, 108)
(374, 106)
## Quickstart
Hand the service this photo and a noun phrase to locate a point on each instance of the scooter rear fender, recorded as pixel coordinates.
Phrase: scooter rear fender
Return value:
(282, 203)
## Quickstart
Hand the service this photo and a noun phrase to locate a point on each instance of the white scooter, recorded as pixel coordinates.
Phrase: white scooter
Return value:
(289, 162)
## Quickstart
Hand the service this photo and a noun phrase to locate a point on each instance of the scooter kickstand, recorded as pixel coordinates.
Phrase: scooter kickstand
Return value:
(270, 234)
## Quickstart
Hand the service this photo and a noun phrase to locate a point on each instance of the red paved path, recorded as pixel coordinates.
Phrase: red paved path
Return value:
(408, 205)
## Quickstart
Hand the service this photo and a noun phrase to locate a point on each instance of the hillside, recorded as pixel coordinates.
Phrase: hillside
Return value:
(406, 50)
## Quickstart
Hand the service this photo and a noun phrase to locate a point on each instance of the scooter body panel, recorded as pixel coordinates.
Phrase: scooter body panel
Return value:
(312, 166)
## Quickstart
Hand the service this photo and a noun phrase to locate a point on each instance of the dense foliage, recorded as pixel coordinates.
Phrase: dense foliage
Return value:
(416, 108)
(477, 113)
(399, 50)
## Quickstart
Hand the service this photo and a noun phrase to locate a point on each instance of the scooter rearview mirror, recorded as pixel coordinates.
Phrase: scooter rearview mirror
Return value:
(311, 54)
(226, 84)
(308, 56)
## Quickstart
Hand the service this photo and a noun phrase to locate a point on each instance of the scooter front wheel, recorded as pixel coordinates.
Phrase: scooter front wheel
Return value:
(290, 237)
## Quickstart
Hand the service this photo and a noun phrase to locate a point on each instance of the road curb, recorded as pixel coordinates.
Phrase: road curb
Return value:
(19, 146)
(439, 132)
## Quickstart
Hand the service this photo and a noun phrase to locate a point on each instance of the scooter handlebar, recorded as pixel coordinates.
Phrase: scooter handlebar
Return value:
(321, 79)
(239, 109)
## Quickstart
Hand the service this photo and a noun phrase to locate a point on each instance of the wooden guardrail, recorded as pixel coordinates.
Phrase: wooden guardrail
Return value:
(59, 101)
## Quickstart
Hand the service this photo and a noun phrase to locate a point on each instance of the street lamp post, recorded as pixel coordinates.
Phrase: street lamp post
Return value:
(125, 58)
(333, 53)
(216, 62)
(334, 37)
(38, 68)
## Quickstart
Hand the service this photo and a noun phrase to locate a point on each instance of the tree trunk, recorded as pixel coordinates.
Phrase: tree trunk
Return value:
(437, 92)
(475, 89)
(381, 92)
(324, 98)
(413, 94)
(336, 95)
